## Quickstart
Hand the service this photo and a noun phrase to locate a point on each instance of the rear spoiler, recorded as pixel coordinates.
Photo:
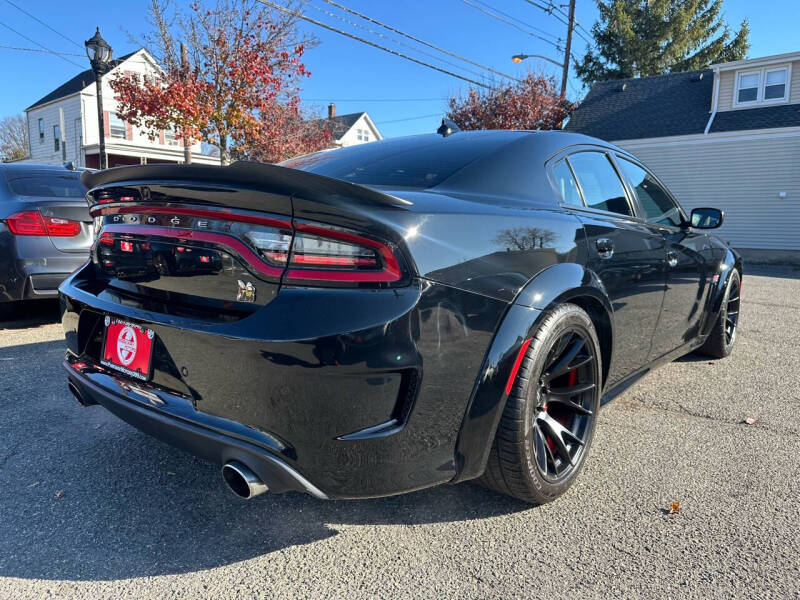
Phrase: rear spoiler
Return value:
(260, 176)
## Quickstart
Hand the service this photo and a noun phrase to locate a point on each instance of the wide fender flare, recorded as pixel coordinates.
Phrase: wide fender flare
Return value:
(552, 286)
(730, 262)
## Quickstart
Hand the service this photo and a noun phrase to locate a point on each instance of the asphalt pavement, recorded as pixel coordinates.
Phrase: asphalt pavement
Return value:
(92, 508)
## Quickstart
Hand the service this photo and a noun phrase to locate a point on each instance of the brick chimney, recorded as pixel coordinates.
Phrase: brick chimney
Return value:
(331, 110)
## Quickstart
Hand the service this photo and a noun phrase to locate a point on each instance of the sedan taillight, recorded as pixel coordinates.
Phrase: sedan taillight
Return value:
(32, 222)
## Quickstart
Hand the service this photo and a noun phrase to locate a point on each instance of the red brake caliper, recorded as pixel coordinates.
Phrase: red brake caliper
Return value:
(572, 379)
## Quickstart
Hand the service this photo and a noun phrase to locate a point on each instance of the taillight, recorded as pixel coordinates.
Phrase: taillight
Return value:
(323, 254)
(31, 222)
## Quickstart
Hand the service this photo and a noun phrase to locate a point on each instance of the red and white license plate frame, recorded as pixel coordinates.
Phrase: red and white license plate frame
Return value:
(128, 348)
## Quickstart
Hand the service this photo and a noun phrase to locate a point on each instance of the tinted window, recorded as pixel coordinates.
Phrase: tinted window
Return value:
(658, 206)
(565, 184)
(602, 187)
(45, 184)
(409, 162)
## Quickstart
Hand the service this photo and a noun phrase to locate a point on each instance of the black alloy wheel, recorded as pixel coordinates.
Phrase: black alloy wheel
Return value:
(564, 407)
(550, 415)
(721, 340)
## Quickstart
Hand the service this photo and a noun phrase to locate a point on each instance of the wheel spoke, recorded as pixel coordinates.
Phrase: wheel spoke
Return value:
(557, 433)
(542, 451)
(571, 404)
(561, 365)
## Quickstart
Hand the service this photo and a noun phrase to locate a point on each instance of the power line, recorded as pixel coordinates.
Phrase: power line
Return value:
(512, 20)
(416, 39)
(514, 25)
(299, 15)
(41, 46)
(549, 10)
(38, 20)
(386, 37)
(574, 20)
(39, 50)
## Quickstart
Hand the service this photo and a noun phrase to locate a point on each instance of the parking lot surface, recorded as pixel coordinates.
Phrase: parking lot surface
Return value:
(92, 508)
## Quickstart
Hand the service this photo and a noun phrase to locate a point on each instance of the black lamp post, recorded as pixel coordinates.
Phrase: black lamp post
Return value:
(99, 53)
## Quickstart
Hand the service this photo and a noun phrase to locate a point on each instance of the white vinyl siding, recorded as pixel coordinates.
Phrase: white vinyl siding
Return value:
(743, 177)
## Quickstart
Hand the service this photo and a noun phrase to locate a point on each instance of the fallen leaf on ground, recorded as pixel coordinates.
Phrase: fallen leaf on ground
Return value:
(674, 508)
(751, 420)
(60, 494)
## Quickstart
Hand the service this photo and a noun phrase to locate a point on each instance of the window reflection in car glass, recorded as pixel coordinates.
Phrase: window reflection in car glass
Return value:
(602, 188)
(658, 206)
(565, 182)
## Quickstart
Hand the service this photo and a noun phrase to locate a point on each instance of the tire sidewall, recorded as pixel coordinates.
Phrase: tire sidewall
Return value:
(573, 318)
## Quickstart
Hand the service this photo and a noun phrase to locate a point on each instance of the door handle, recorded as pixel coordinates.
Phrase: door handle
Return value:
(605, 247)
(672, 259)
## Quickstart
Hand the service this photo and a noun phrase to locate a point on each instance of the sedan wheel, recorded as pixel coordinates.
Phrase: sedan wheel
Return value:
(721, 340)
(550, 415)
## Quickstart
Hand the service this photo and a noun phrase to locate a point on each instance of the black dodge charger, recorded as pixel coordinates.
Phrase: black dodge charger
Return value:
(391, 316)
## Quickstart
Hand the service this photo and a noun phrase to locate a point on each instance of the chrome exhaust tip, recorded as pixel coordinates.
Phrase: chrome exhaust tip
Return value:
(242, 481)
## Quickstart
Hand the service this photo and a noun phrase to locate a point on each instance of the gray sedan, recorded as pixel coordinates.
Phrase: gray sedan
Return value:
(45, 231)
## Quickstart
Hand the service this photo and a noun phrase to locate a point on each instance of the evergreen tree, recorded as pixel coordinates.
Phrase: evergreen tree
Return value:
(637, 38)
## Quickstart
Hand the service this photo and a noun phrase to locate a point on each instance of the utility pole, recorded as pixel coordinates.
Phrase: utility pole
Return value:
(568, 48)
(187, 149)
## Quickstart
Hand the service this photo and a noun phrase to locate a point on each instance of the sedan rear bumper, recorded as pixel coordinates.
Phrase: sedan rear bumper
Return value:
(212, 441)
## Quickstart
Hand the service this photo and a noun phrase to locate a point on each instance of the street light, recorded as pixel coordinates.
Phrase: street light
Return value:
(518, 58)
(99, 53)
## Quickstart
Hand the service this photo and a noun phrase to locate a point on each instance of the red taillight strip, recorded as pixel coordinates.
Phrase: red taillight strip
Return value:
(226, 241)
(390, 272)
(224, 215)
(517, 363)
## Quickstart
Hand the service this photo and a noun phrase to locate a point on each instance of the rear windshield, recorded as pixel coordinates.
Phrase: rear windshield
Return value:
(416, 162)
(46, 184)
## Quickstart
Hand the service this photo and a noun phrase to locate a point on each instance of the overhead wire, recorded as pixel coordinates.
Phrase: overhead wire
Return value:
(300, 15)
(556, 45)
(414, 38)
(401, 43)
(54, 53)
(38, 20)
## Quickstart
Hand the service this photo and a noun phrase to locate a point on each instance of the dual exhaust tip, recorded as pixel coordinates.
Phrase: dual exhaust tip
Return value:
(242, 481)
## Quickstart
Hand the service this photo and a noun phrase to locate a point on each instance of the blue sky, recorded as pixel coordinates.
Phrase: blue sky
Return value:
(355, 76)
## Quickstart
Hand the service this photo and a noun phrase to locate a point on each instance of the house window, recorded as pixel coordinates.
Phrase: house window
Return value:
(748, 87)
(775, 84)
(362, 135)
(169, 137)
(56, 138)
(41, 130)
(767, 85)
(116, 126)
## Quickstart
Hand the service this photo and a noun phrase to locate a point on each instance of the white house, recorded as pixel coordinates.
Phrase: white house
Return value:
(352, 129)
(63, 125)
(727, 136)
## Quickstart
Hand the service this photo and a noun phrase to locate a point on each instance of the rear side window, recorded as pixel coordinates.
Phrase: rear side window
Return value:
(566, 185)
(657, 204)
(602, 187)
(45, 184)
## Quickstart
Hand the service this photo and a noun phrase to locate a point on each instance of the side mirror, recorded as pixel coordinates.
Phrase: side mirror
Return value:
(707, 218)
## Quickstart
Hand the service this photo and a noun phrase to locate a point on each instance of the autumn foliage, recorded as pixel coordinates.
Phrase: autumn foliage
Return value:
(236, 89)
(532, 103)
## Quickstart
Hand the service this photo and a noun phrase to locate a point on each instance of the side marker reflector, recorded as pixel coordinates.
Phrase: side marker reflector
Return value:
(515, 369)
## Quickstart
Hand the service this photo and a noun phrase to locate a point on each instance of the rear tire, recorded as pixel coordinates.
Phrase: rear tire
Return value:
(722, 338)
(550, 415)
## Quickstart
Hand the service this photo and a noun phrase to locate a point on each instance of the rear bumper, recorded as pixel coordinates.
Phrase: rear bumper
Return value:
(33, 279)
(359, 392)
(210, 441)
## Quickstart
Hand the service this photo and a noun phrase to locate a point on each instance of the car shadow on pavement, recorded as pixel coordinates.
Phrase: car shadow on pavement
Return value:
(32, 314)
(84, 496)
